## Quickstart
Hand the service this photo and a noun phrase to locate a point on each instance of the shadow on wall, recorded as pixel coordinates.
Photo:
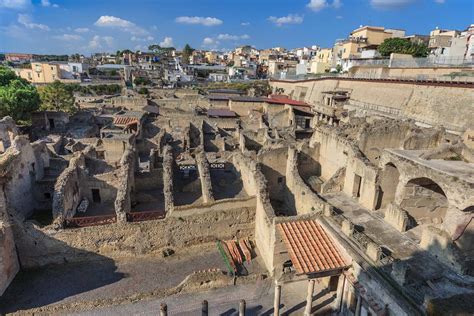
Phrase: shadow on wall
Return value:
(422, 280)
(53, 277)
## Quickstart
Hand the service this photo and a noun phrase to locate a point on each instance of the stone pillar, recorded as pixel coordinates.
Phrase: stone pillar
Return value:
(358, 305)
(331, 120)
(309, 298)
(345, 296)
(205, 308)
(242, 308)
(276, 303)
(163, 309)
(340, 292)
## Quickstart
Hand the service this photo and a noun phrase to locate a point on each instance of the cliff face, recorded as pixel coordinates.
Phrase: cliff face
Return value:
(451, 107)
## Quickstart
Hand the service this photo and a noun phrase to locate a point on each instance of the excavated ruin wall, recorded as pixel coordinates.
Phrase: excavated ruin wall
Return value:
(9, 265)
(168, 178)
(305, 200)
(205, 176)
(67, 192)
(434, 105)
(123, 202)
(18, 190)
(255, 184)
(332, 152)
(38, 247)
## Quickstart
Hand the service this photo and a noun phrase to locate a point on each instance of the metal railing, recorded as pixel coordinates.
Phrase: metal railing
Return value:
(145, 216)
(76, 222)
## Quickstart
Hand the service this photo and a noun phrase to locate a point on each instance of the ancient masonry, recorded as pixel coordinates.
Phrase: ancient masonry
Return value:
(373, 196)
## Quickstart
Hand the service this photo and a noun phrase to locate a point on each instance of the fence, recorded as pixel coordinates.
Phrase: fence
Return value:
(145, 216)
(76, 222)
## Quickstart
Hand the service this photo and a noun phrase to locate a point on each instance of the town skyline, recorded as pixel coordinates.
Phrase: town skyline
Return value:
(65, 27)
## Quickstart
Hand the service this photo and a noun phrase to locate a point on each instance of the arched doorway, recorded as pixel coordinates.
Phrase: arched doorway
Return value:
(388, 186)
(425, 201)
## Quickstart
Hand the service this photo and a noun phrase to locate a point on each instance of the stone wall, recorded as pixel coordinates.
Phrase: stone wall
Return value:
(429, 104)
(255, 184)
(38, 247)
(168, 163)
(9, 265)
(305, 201)
(205, 176)
(67, 191)
(123, 201)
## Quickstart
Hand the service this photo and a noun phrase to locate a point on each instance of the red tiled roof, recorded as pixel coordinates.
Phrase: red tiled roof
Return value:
(125, 120)
(311, 249)
(285, 100)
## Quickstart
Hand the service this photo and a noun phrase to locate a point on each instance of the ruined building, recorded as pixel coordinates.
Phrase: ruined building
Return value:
(363, 188)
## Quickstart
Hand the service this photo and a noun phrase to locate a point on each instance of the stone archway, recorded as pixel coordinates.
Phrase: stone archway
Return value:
(388, 186)
(425, 201)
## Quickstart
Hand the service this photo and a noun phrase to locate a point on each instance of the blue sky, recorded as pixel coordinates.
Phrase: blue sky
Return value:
(85, 26)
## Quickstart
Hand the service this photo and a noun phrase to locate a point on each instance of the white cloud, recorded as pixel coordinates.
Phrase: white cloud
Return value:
(68, 37)
(339, 17)
(15, 4)
(167, 42)
(245, 23)
(25, 20)
(440, 1)
(154, 28)
(289, 19)
(208, 41)
(229, 37)
(318, 5)
(81, 30)
(98, 42)
(390, 4)
(209, 21)
(125, 25)
(142, 39)
(336, 4)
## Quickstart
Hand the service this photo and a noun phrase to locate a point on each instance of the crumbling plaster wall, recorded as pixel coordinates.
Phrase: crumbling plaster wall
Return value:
(255, 183)
(9, 265)
(168, 166)
(19, 188)
(305, 201)
(273, 166)
(205, 176)
(123, 200)
(332, 151)
(67, 190)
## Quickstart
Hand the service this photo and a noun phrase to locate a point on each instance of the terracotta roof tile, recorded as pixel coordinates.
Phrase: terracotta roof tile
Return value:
(125, 120)
(311, 249)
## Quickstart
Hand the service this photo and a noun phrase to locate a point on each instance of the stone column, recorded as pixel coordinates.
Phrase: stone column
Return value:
(359, 302)
(276, 303)
(340, 292)
(345, 296)
(242, 308)
(163, 309)
(309, 298)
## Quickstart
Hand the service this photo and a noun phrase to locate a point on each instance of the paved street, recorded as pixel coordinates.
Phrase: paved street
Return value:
(225, 301)
(104, 279)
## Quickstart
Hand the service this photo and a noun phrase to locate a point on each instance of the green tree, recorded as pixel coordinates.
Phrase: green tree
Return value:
(18, 98)
(143, 91)
(402, 46)
(187, 52)
(57, 96)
